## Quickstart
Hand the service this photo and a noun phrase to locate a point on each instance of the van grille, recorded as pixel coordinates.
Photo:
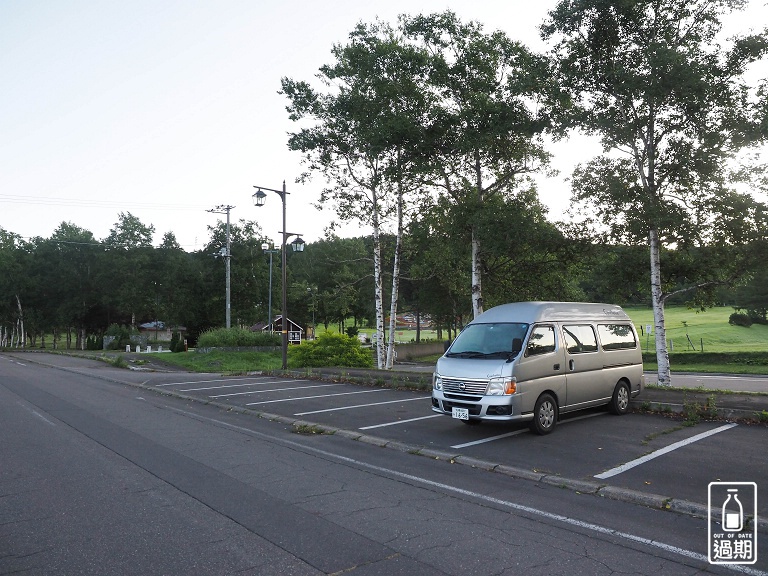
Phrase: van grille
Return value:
(457, 386)
(474, 409)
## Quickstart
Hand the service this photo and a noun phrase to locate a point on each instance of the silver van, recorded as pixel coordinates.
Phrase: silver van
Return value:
(532, 361)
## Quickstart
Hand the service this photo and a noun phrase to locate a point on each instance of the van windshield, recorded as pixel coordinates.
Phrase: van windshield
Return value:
(492, 340)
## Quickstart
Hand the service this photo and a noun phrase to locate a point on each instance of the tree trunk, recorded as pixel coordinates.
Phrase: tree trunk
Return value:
(657, 299)
(378, 282)
(395, 282)
(22, 335)
(477, 276)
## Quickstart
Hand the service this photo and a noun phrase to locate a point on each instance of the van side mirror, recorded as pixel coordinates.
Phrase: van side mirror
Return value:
(517, 345)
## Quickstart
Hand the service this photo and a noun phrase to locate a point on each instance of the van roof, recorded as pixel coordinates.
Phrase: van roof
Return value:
(530, 312)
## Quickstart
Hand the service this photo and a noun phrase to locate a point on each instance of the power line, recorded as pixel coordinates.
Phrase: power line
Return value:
(80, 203)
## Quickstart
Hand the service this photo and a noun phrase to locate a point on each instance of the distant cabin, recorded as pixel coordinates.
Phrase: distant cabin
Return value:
(158, 330)
(295, 332)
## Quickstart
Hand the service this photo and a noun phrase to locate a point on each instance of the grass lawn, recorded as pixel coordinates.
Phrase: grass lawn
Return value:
(219, 361)
(709, 328)
(745, 349)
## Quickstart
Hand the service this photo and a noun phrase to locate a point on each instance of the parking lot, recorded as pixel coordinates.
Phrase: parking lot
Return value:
(644, 452)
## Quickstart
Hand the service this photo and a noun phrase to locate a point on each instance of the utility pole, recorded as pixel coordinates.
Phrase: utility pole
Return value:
(227, 254)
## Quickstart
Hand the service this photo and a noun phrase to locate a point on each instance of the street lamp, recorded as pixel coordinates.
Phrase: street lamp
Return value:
(267, 250)
(259, 198)
(312, 293)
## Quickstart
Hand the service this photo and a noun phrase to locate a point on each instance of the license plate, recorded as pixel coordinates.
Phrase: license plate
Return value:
(460, 413)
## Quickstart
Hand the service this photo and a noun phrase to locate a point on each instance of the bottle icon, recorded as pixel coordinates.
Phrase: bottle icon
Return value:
(733, 519)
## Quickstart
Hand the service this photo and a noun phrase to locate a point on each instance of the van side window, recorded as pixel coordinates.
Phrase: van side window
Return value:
(616, 336)
(580, 339)
(541, 341)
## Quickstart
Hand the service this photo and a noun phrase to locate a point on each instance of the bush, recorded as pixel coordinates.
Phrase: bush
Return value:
(330, 350)
(235, 337)
(122, 336)
(739, 319)
(353, 331)
(177, 343)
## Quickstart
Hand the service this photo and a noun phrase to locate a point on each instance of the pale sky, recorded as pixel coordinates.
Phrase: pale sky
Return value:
(166, 108)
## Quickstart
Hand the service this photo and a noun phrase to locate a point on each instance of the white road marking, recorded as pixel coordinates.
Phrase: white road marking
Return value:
(514, 506)
(398, 422)
(238, 385)
(313, 397)
(36, 413)
(361, 406)
(517, 432)
(492, 438)
(662, 451)
(273, 390)
(217, 380)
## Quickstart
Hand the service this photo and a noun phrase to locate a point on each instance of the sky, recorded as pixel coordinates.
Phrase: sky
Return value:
(167, 109)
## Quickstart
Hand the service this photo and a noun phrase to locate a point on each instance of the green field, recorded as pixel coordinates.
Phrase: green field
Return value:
(709, 329)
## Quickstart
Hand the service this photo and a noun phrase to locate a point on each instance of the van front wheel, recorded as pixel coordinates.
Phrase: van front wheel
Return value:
(620, 400)
(544, 415)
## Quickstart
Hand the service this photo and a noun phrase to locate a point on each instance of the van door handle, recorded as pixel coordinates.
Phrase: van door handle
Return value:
(571, 365)
(556, 367)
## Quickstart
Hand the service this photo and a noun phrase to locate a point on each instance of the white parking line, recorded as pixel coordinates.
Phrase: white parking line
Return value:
(236, 385)
(208, 381)
(274, 390)
(362, 406)
(400, 422)
(516, 432)
(662, 451)
(491, 439)
(311, 397)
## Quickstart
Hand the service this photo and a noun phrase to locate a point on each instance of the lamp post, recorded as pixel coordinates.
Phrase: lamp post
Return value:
(298, 246)
(312, 292)
(226, 254)
(267, 250)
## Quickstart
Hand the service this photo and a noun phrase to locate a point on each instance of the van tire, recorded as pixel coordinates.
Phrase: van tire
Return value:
(544, 415)
(619, 403)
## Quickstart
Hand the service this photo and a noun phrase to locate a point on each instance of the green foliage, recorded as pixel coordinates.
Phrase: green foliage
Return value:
(177, 343)
(236, 337)
(223, 361)
(93, 343)
(122, 334)
(330, 350)
(353, 331)
(739, 319)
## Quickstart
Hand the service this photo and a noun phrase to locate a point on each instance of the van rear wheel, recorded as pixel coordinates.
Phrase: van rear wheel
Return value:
(544, 415)
(620, 400)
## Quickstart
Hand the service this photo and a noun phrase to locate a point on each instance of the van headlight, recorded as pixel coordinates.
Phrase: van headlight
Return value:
(501, 386)
(437, 382)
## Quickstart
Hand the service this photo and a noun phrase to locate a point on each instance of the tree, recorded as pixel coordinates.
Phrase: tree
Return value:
(67, 292)
(14, 282)
(131, 278)
(492, 110)
(366, 139)
(672, 106)
(249, 272)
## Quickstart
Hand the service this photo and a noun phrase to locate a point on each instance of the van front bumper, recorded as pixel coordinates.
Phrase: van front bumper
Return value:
(490, 408)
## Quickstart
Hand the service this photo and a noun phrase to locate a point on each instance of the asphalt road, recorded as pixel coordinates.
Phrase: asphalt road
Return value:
(103, 471)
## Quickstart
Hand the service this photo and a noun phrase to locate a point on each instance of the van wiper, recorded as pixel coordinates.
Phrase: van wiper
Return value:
(467, 354)
(512, 355)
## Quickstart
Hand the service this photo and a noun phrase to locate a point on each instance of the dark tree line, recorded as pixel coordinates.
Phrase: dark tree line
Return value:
(71, 286)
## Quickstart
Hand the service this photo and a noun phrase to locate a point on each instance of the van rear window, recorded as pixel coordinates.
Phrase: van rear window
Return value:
(616, 336)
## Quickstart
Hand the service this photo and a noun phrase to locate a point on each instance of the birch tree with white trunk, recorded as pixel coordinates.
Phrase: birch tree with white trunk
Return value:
(668, 98)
